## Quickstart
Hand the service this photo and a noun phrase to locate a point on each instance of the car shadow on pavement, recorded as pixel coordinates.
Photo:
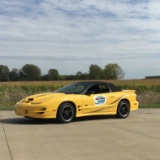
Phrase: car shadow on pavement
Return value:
(30, 121)
(94, 118)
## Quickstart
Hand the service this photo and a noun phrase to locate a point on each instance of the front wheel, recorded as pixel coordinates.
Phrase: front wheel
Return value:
(123, 109)
(66, 113)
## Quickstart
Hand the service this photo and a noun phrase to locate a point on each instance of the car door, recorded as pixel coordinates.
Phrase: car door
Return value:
(97, 100)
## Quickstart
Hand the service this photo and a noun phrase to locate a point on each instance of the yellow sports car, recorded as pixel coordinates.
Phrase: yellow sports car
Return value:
(79, 99)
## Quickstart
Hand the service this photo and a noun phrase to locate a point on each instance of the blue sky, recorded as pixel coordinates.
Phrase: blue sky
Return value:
(70, 35)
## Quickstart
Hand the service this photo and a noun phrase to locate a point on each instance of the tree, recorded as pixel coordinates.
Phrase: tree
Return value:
(95, 72)
(53, 74)
(44, 77)
(4, 73)
(14, 75)
(113, 71)
(81, 76)
(30, 72)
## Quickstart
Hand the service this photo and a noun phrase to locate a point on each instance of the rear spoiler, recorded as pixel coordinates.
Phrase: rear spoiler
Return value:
(129, 91)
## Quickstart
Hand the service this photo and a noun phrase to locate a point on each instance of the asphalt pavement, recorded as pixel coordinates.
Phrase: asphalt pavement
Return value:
(91, 138)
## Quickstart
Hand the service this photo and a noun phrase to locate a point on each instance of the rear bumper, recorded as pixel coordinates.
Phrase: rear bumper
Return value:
(134, 105)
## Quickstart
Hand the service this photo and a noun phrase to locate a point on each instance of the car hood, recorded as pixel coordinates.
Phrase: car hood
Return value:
(41, 98)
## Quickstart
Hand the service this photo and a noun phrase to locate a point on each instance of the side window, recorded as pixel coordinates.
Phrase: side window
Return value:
(94, 89)
(104, 88)
(101, 88)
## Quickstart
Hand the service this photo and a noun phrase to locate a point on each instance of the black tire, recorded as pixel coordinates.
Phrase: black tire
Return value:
(123, 109)
(66, 113)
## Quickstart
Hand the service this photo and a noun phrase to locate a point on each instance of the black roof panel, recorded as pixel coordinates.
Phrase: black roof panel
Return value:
(110, 85)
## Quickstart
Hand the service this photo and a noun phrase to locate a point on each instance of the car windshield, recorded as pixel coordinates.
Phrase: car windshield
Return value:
(76, 88)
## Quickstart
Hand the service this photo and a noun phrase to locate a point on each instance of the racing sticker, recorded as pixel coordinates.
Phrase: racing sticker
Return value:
(100, 100)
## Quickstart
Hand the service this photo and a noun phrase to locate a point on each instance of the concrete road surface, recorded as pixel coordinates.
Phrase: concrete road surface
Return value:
(93, 138)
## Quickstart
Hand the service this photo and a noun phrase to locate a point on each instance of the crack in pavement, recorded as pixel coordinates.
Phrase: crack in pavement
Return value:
(10, 153)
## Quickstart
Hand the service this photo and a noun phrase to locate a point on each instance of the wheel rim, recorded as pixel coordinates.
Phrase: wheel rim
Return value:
(67, 113)
(124, 109)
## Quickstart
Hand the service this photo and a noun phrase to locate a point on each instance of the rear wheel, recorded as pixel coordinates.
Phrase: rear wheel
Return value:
(66, 113)
(123, 109)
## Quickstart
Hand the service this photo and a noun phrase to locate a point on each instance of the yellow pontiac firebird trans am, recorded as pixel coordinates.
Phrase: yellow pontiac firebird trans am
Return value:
(79, 99)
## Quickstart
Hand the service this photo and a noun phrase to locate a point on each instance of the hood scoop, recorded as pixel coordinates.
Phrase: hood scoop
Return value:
(29, 100)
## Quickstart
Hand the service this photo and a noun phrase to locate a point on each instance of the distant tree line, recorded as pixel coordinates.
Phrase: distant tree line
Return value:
(30, 72)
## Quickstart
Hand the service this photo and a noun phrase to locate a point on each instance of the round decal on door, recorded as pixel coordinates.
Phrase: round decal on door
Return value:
(100, 100)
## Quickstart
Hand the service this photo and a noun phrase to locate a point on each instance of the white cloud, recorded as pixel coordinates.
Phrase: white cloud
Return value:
(87, 32)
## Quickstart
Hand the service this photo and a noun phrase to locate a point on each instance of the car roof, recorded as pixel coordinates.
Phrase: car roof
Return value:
(110, 85)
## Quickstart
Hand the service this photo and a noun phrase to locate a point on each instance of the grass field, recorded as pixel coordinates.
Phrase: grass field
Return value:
(148, 91)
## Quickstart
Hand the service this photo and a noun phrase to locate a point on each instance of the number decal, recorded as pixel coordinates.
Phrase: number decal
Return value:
(100, 100)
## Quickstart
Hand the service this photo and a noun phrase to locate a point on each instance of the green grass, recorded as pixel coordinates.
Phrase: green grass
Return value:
(11, 107)
(149, 106)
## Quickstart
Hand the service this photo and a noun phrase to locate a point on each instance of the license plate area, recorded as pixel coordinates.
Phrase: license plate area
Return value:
(19, 111)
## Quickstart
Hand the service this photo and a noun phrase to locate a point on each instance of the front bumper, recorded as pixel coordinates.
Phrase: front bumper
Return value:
(35, 111)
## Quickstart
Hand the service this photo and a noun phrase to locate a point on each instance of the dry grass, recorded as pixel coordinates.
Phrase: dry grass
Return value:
(149, 98)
